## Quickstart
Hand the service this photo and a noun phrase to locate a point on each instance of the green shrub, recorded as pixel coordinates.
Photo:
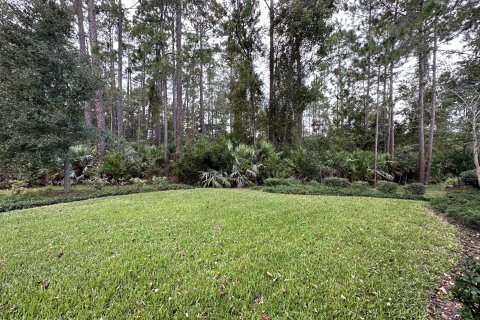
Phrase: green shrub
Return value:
(415, 188)
(467, 288)
(97, 182)
(203, 154)
(361, 185)
(113, 166)
(272, 182)
(463, 206)
(139, 183)
(452, 182)
(387, 187)
(469, 178)
(306, 164)
(335, 182)
(152, 155)
(215, 179)
(17, 186)
(159, 181)
(272, 163)
(315, 188)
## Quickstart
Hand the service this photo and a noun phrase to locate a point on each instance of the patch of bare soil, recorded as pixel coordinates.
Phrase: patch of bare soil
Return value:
(441, 302)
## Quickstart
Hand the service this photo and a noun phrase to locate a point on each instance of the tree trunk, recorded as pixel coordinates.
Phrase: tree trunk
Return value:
(433, 108)
(112, 84)
(178, 73)
(67, 182)
(383, 110)
(174, 88)
(271, 67)
(87, 112)
(120, 131)
(375, 165)
(421, 107)
(367, 96)
(165, 118)
(130, 129)
(475, 115)
(98, 98)
(391, 112)
(202, 105)
(141, 111)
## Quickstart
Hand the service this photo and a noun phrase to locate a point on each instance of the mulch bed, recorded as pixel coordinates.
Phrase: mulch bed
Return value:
(441, 302)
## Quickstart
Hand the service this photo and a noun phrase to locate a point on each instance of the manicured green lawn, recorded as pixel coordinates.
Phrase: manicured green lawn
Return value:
(221, 254)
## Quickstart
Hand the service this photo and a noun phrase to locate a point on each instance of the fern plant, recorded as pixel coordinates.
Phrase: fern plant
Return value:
(214, 179)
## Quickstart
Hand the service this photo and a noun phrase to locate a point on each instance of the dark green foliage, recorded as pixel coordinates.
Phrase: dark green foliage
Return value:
(316, 188)
(273, 182)
(215, 179)
(121, 164)
(387, 187)
(461, 205)
(273, 165)
(153, 156)
(306, 164)
(43, 85)
(113, 166)
(335, 182)
(415, 189)
(361, 185)
(469, 178)
(47, 197)
(203, 154)
(467, 288)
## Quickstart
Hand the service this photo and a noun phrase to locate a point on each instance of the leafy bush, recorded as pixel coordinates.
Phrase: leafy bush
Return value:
(159, 181)
(335, 182)
(387, 187)
(452, 182)
(97, 182)
(215, 179)
(415, 188)
(273, 165)
(203, 154)
(152, 155)
(272, 182)
(361, 185)
(121, 164)
(113, 166)
(463, 206)
(315, 188)
(467, 288)
(139, 183)
(469, 178)
(307, 166)
(81, 157)
(17, 186)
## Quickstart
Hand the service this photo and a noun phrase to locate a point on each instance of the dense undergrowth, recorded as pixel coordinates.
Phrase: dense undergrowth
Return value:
(461, 205)
(336, 187)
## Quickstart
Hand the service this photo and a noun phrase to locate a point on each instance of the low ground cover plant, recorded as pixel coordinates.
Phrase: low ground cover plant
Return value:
(463, 205)
(52, 195)
(335, 182)
(467, 288)
(415, 189)
(469, 178)
(315, 188)
(387, 187)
